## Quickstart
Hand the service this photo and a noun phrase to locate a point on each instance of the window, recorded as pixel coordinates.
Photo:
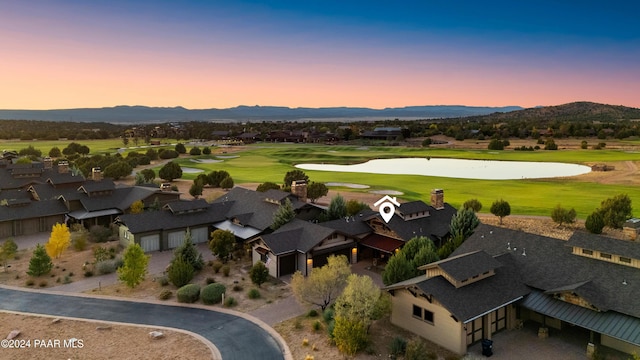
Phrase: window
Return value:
(587, 252)
(428, 316)
(625, 260)
(423, 314)
(605, 255)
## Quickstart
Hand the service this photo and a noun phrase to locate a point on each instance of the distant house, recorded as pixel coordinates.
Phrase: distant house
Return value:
(165, 229)
(382, 133)
(302, 245)
(499, 278)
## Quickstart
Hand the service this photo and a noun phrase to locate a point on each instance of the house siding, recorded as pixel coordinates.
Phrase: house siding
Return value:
(619, 345)
(445, 331)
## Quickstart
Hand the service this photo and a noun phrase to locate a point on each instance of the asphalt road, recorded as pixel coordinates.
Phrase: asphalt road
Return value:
(235, 337)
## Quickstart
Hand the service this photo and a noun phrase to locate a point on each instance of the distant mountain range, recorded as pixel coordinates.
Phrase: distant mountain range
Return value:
(144, 114)
(582, 110)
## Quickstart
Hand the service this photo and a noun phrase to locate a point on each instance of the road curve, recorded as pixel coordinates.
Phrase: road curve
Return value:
(234, 336)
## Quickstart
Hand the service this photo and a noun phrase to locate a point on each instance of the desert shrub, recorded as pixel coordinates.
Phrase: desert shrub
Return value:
(163, 280)
(188, 293)
(237, 287)
(100, 254)
(88, 273)
(226, 270)
(350, 335)
(106, 267)
(312, 313)
(316, 325)
(99, 234)
(212, 293)
(398, 346)
(66, 280)
(79, 240)
(210, 280)
(58, 279)
(165, 294)
(29, 282)
(253, 294)
(216, 266)
(43, 283)
(416, 350)
(327, 315)
(180, 272)
(230, 302)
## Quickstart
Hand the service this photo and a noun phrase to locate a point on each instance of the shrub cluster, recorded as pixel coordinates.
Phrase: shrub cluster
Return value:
(189, 293)
(253, 294)
(230, 301)
(165, 294)
(212, 293)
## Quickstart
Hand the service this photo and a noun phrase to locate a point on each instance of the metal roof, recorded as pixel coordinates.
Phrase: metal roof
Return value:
(614, 324)
(243, 232)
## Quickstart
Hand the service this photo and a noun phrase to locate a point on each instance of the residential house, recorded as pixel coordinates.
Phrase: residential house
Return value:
(588, 284)
(299, 246)
(165, 229)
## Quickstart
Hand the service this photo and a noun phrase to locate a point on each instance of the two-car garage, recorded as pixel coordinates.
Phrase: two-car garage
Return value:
(153, 242)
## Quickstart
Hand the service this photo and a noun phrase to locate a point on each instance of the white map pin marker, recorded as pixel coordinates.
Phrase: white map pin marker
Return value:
(388, 203)
(387, 214)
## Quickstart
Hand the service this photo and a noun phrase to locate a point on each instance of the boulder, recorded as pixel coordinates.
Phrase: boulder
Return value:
(13, 334)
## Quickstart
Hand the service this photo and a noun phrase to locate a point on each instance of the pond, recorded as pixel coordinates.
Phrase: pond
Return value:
(458, 168)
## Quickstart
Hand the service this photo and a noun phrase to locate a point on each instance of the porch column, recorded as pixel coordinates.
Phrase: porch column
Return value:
(486, 326)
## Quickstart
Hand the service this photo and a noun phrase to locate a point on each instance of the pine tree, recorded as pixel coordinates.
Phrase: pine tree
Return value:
(189, 252)
(337, 208)
(259, 273)
(283, 215)
(40, 262)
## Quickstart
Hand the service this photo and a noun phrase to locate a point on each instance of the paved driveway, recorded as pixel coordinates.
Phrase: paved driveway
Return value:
(234, 336)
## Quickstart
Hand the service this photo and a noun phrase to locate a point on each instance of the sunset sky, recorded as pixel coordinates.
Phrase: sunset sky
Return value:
(307, 53)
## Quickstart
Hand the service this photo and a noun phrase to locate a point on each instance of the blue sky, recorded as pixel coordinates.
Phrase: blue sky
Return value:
(202, 54)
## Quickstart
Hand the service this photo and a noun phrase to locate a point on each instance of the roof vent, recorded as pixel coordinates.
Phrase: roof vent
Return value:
(624, 282)
(508, 245)
(524, 252)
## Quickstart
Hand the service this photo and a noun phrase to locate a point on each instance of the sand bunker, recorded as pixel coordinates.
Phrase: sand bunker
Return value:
(352, 186)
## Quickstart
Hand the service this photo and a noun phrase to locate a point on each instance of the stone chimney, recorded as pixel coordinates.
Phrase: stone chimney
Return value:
(48, 163)
(63, 166)
(631, 228)
(299, 189)
(437, 199)
(96, 174)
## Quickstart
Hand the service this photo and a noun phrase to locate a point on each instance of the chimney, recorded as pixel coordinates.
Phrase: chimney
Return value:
(48, 163)
(437, 199)
(631, 228)
(299, 189)
(96, 174)
(63, 166)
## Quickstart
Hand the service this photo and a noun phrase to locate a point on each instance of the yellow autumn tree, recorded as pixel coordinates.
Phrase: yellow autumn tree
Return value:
(59, 240)
(137, 207)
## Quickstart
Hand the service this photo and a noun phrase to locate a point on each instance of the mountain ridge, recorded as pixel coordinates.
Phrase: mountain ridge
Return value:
(141, 113)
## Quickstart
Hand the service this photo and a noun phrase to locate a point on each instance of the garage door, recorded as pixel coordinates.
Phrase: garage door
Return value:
(321, 260)
(150, 243)
(176, 239)
(200, 235)
(287, 264)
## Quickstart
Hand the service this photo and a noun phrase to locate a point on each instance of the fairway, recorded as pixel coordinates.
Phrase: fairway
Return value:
(269, 162)
(262, 162)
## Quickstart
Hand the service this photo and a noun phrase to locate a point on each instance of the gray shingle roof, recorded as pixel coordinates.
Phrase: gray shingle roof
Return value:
(33, 209)
(630, 249)
(166, 220)
(355, 225)
(186, 205)
(435, 226)
(550, 265)
(296, 235)
(465, 266)
(468, 302)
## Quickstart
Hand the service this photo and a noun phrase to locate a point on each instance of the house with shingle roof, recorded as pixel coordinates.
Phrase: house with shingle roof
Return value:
(300, 246)
(589, 282)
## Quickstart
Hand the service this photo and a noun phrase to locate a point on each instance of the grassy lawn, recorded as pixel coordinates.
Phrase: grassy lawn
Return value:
(260, 163)
(269, 162)
(96, 146)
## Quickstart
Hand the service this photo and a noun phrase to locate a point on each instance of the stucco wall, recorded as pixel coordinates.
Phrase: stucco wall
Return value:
(619, 345)
(444, 331)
